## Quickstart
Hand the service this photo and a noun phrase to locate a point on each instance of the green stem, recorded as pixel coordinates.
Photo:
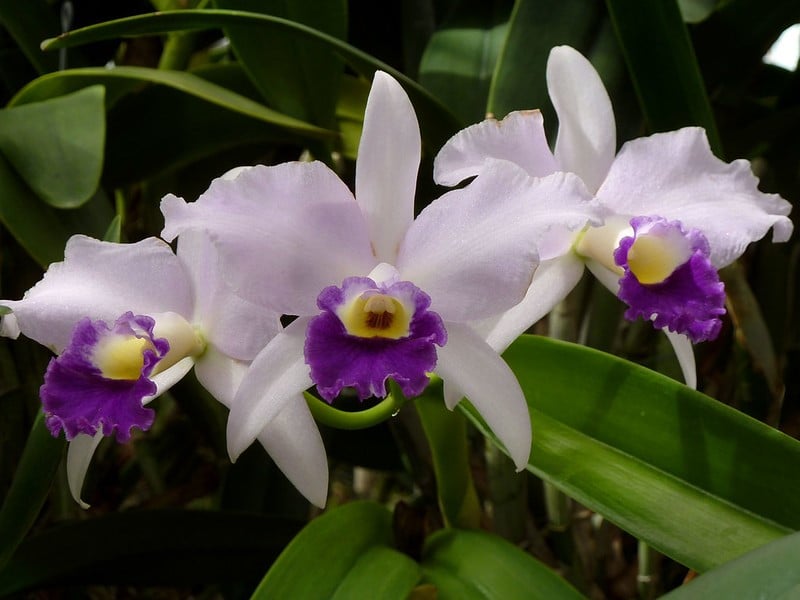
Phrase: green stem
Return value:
(327, 414)
(447, 435)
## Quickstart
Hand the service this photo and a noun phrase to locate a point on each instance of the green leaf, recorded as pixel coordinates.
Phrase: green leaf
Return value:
(767, 573)
(447, 436)
(663, 66)
(336, 548)
(475, 564)
(29, 27)
(122, 80)
(57, 145)
(535, 27)
(459, 60)
(36, 226)
(690, 476)
(164, 547)
(694, 11)
(29, 489)
(380, 573)
(301, 77)
(436, 122)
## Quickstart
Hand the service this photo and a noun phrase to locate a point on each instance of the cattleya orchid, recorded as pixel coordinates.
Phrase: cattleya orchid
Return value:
(127, 321)
(377, 294)
(674, 213)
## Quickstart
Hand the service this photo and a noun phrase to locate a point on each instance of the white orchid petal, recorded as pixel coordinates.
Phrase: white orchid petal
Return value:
(9, 327)
(674, 175)
(484, 237)
(277, 374)
(79, 456)
(684, 351)
(553, 280)
(234, 325)
(284, 232)
(102, 280)
(169, 377)
(220, 374)
(605, 276)
(481, 375)
(587, 135)
(387, 164)
(518, 138)
(293, 441)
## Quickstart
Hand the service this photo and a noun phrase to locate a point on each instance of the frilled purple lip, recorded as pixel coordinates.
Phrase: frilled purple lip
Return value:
(338, 359)
(689, 301)
(77, 398)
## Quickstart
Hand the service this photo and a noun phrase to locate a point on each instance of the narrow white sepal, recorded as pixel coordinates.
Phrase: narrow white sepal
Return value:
(79, 455)
(482, 376)
(684, 351)
(293, 441)
(277, 374)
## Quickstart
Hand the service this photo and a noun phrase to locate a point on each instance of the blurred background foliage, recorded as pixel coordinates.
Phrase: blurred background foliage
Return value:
(99, 127)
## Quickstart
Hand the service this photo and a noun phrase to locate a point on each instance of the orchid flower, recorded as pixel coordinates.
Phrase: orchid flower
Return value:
(674, 213)
(127, 321)
(378, 294)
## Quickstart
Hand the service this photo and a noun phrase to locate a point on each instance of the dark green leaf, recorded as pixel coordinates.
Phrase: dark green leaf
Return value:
(663, 66)
(301, 77)
(57, 145)
(379, 573)
(36, 226)
(29, 27)
(460, 59)
(437, 123)
(690, 476)
(29, 489)
(121, 80)
(169, 547)
(535, 27)
(474, 564)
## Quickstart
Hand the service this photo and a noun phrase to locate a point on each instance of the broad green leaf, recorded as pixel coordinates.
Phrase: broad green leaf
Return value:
(436, 122)
(466, 565)
(301, 77)
(379, 573)
(36, 226)
(459, 60)
(57, 145)
(164, 547)
(535, 27)
(29, 490)
(328, 555)
(767, 573)
(690, 476)
(663, 66)
(122, 80)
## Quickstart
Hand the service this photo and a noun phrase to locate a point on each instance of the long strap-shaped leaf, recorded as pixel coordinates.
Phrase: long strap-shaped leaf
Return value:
(694, 478)
(437, 123)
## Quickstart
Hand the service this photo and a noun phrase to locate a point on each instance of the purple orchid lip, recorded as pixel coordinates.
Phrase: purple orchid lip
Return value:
(368, 333)
(99, 381)
(680, 288)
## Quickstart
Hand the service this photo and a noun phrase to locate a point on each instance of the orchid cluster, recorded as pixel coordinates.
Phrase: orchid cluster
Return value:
(373, 294)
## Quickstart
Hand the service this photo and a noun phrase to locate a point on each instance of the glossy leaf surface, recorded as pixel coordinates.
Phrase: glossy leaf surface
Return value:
(696, 479)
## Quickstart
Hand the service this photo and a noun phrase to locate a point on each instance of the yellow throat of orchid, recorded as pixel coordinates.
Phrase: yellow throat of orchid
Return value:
(121, 356)
(376, 315)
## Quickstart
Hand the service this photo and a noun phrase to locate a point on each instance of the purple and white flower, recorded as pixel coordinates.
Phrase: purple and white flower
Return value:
(674, 213)
(127, 321)
(378, 294)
